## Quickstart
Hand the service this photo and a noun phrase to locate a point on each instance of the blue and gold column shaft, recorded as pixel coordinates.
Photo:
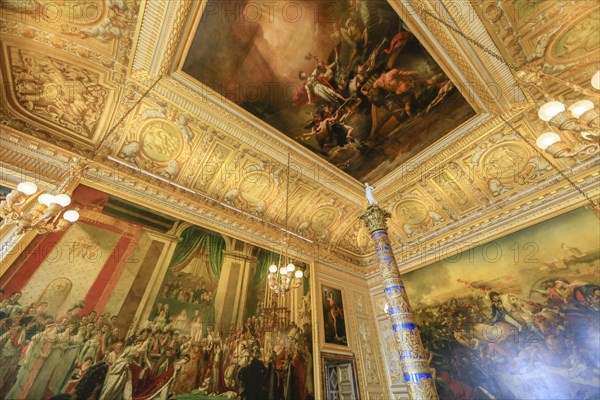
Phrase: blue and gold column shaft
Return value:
(410, 347)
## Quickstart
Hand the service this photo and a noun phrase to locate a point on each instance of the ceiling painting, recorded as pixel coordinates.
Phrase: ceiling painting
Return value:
(346, 79)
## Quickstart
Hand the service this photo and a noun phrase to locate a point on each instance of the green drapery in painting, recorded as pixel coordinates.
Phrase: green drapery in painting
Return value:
(215, 246)
(264, 258)
(194, 238)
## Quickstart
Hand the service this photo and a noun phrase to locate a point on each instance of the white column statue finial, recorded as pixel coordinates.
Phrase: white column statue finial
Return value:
(369, 192)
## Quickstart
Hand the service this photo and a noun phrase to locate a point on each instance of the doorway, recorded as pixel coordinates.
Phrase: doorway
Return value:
(339, 377)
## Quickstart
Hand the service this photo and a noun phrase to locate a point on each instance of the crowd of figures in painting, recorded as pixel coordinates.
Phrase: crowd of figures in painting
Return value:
(492, 338)
(91, 355)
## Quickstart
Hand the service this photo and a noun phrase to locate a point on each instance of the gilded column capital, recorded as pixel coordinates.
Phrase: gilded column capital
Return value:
(375, 218)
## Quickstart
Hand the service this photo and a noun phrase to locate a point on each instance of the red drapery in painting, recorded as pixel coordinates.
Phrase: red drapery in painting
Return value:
(89, 201)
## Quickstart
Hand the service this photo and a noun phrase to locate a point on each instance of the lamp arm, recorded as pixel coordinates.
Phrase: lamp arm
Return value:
(589, 149)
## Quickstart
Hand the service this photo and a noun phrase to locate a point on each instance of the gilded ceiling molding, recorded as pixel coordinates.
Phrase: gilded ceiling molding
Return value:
(432, 157)
(219, 113)
(26, 155)
(558, 197)
(475, 219)
(126, 144)
(412, 172)
(151, 22)
(102, 35)
(130, 143)
(468, 157)
(31, 155)
(267, 141)
(497, 171)
(58, 44)
(498, 74)
(57, 91)
(536, 32)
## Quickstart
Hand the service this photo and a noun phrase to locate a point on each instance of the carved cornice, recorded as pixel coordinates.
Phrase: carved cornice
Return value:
(546, 200)
(50, 162)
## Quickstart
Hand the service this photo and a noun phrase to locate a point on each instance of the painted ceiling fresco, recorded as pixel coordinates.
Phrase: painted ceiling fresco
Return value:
(347, 79)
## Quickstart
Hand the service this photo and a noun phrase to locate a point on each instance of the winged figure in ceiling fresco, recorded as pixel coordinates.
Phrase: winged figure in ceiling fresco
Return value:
(369, 84)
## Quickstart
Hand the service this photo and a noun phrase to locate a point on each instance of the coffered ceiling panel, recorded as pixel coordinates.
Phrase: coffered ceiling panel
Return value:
(63, 62)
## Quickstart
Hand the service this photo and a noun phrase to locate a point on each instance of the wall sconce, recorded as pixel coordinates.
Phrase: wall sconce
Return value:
(45, 216)
(552, 143)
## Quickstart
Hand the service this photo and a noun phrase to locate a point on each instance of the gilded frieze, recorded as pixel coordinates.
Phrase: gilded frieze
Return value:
(356, 239)
(414, 215)
(158, 138)
(323, 219)
(255, 187)
(212, 168)
(504, 162)
(449, 185)
(554, 34)
(160, 141)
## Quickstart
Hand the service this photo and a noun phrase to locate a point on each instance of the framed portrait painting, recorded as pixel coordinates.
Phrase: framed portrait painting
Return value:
(334, 319)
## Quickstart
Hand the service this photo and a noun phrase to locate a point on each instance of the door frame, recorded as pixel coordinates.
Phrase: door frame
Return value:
(333, 359)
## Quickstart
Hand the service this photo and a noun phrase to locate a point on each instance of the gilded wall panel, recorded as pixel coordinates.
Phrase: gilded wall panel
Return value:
(211, 169)
(369, 345)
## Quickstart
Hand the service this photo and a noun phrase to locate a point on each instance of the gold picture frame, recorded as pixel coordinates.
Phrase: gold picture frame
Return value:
(331, 303)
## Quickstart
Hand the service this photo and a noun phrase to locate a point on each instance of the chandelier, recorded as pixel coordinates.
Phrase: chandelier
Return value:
(580, 120)
(45, 216)
(284, 276)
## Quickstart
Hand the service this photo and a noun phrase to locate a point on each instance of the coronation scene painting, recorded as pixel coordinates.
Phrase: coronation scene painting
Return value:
(130, 304)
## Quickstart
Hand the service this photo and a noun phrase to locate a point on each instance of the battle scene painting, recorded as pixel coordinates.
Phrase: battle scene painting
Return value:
(345, 78)
(516, 318)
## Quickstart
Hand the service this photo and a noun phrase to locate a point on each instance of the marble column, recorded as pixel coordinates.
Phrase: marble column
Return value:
(411, 352)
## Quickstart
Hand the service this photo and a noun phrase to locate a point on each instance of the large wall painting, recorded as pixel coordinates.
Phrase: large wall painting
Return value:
(346, 78)
(244, 340)
(516, 318)
(73, 314)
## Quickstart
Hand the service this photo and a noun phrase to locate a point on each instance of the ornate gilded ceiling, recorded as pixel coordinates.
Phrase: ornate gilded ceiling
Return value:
(72, 72)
